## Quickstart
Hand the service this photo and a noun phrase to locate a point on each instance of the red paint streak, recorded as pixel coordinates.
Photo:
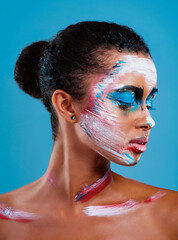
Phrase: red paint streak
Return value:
(19, 216)
(128, 204)
(155, 197)
(98, 189)
(90, 191)
(121, 208)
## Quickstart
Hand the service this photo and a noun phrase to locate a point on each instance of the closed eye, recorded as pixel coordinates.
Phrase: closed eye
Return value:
(126, 97)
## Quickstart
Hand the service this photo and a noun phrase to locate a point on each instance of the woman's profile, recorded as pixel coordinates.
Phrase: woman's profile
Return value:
(98, 82)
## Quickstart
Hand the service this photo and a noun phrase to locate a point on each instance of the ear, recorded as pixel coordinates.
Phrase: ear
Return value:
(64, 105)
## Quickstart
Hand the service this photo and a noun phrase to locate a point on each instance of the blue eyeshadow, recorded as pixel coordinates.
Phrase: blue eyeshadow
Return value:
(125, 97)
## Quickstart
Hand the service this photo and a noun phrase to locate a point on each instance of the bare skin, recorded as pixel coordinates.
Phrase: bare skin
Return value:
(75, 163)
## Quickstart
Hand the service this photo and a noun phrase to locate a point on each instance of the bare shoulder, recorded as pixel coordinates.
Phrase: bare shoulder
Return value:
(140, 189)
(165, 212)
(168, 209)
(14, 205)
(16, 197)
(164, 208)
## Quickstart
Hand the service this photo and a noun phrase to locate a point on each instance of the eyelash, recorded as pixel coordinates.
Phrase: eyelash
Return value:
(126, 106)
(150, 105)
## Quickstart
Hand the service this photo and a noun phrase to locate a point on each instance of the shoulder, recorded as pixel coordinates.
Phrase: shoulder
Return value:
(17, 205)
(168, 210)
(19, 197)
(5, 201)
(139, 189)
(8, 202)
(164, 208)
(10, 198)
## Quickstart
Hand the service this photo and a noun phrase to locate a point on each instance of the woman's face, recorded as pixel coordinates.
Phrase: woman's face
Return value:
(116, 121)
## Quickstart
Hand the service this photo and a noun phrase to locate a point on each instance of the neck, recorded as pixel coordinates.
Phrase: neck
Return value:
(73, 167)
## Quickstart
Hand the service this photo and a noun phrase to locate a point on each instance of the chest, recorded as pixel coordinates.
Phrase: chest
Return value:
(140, 226)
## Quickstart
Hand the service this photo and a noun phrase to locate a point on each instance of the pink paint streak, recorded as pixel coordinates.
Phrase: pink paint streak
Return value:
(91, 190)
(51, 178)
(8, 213)
(155, 197)
(117, 209)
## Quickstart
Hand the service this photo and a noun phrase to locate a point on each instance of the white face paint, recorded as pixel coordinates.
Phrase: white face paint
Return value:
(150, 121)
(109, 122)
(142, 66)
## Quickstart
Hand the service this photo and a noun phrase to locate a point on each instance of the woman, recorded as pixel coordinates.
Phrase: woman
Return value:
(98, 82)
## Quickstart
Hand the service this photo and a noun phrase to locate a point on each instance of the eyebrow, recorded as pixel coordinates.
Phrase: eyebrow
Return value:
(138, 91)
(153, 91)
(133, 88)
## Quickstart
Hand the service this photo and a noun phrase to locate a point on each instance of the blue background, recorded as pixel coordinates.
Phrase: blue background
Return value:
(25, 131)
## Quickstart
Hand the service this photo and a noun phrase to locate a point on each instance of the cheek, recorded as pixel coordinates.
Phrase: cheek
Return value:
(107, 129)
(103, 121)
(107, 132)
(104, 111)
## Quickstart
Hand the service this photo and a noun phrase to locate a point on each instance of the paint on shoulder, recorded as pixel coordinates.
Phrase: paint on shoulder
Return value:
(121, 208)
(155, 196)
(7, 213)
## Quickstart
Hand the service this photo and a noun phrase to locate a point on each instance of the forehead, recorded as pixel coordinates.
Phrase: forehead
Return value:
(129, 69)
(135, 64)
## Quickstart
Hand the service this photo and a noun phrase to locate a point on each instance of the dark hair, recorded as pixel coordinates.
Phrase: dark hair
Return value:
(64, 61)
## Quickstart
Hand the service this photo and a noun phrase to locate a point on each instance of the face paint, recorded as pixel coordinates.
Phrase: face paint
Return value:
(90, 191)
(155, 196)
(51, 178)
(16, 215)
(112, 100)
(150, 121)
(127, 98)
(111, 210)
(118, 209)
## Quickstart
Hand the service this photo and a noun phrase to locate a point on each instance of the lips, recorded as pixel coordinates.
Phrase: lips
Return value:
(137, 145)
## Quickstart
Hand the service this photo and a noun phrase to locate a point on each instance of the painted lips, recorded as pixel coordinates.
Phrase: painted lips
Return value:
(137, 145)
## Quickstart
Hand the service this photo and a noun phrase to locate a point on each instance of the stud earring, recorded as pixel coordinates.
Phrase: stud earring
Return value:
(73, 117)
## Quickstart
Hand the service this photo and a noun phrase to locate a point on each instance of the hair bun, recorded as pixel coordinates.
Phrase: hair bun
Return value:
(26, 72)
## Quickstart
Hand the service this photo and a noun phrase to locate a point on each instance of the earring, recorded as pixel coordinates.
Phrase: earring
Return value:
(73, 117)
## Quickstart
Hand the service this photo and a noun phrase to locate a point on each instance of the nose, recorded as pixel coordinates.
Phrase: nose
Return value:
(145, 120)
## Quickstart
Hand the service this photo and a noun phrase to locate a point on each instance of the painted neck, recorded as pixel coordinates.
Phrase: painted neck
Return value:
(90, 191)
(72, 168)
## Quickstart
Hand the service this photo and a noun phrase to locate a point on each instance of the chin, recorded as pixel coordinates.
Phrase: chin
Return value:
(123, 162)
(127, 158)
